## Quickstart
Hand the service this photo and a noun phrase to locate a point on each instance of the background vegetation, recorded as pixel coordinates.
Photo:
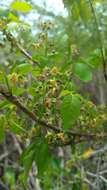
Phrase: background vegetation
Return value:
(53, 80)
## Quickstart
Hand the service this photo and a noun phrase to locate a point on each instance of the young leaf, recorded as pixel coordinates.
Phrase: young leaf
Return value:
(83, 72)
(70, 110)
(20, 6)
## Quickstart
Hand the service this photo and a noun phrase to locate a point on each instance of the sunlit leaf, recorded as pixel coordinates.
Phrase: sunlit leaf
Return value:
(20, 6)
(13, 17)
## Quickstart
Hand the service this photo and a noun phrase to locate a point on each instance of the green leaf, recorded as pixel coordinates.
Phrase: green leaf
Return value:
(24, 68)
(84, 10)
(64, 92)
(9, 177)
(38, 152)
(70, 110)
(27, 158)
(2, 122)
(42, 156)
(21, 6)
(4, 104)
(4, 13)
(13, 17)
(83, 72)
(18, 91)
(94, 59)
(44, 61)
(16, 128)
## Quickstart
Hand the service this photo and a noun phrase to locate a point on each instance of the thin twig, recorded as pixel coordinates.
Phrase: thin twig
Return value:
(3, 185)
(21, 49)
(103, 172)
(99, 152)
(3, 156)
(26, 54)
(17, 144)
(89, 183)
(96, 175)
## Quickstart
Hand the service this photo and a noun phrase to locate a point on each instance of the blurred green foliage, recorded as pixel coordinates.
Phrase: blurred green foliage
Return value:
(44, 63)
